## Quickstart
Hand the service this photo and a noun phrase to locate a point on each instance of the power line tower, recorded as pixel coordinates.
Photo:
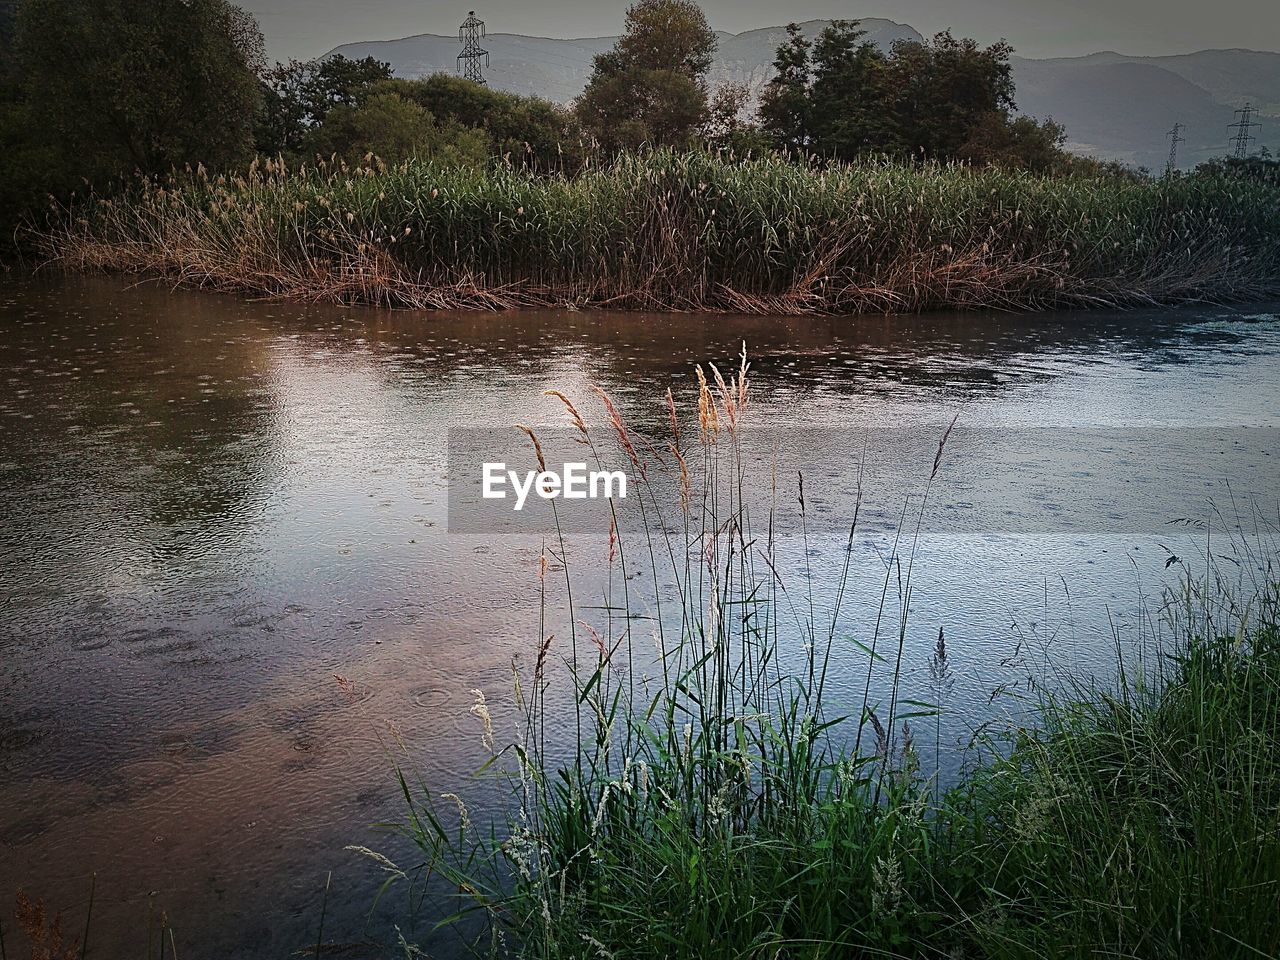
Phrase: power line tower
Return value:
(1242, 139)
(470, 33)
(1175, 138)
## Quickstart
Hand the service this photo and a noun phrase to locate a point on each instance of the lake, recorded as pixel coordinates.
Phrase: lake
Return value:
(211, 508)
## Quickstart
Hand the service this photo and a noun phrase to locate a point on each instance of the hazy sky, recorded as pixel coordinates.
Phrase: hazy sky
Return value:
(1037, 28)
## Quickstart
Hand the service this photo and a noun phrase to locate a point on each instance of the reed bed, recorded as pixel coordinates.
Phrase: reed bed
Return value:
(681, 785)
(687, 231)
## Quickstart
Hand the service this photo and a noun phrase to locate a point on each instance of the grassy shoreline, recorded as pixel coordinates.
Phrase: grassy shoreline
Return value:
(685, 232)
(713, 804)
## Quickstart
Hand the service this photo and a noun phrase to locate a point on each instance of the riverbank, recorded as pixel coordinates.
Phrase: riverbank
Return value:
(1137, 822)
(687, 232)
(721, 795)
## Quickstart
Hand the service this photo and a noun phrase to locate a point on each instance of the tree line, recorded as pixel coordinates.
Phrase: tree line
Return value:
(95, 90)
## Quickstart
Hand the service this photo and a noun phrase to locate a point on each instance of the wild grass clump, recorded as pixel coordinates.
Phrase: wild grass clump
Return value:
(1138, 822)
(682, 783)
(688, 231)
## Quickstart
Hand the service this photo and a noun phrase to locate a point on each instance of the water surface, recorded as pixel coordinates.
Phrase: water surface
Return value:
(210, 508)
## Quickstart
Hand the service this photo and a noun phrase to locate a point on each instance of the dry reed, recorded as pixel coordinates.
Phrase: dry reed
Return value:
(689, 231)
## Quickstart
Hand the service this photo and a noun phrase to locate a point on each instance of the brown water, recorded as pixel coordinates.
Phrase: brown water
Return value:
(209, 508)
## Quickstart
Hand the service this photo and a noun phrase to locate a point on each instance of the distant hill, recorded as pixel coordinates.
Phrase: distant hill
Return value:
(1113, 106)
(1120, 107)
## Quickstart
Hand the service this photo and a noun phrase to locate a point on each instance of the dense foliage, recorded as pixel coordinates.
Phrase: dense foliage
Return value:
(944, 98)
(691, 231)
(353, 108)
(301, 94)
(99, 89)
(1262, 168)
(651, 87)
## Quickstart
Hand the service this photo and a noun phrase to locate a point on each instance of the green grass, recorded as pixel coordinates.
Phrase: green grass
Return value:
(689, 232)
(1141, 822)
(719, 808)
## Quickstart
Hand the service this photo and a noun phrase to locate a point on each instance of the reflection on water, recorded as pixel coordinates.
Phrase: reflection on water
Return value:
(210, 508)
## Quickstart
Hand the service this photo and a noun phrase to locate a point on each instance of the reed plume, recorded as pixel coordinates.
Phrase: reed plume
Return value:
(687, 231)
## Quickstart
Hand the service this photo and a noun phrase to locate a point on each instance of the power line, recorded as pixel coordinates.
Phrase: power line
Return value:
(470, 33)
(1175, 138)
(1242, 139)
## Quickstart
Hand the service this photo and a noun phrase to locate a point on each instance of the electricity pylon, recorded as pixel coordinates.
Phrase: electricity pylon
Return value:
(1242, 139)
(1175, 138)
(470, 34)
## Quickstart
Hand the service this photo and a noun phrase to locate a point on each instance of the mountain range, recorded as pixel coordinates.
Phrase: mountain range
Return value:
(1113, 106)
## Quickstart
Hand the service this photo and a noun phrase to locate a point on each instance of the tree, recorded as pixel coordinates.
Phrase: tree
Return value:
(831, 95)
(663, 35)
(842, 97)
(850, 94)
(655, 107)
(944, 88)
(1023, 143)
(141, 84)
(300, 94)
(1261, 168)
(245, 34)
(724, 113)
(395, 128)
(444, 117)
(651, 87)
(385, 124)
(784, 105)
(91, 90)
(8, 25)
(529, 131)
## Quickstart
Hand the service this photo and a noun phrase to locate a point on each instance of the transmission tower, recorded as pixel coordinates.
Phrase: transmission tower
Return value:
(1175, 138)
(1242, 139)
(470, 33)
